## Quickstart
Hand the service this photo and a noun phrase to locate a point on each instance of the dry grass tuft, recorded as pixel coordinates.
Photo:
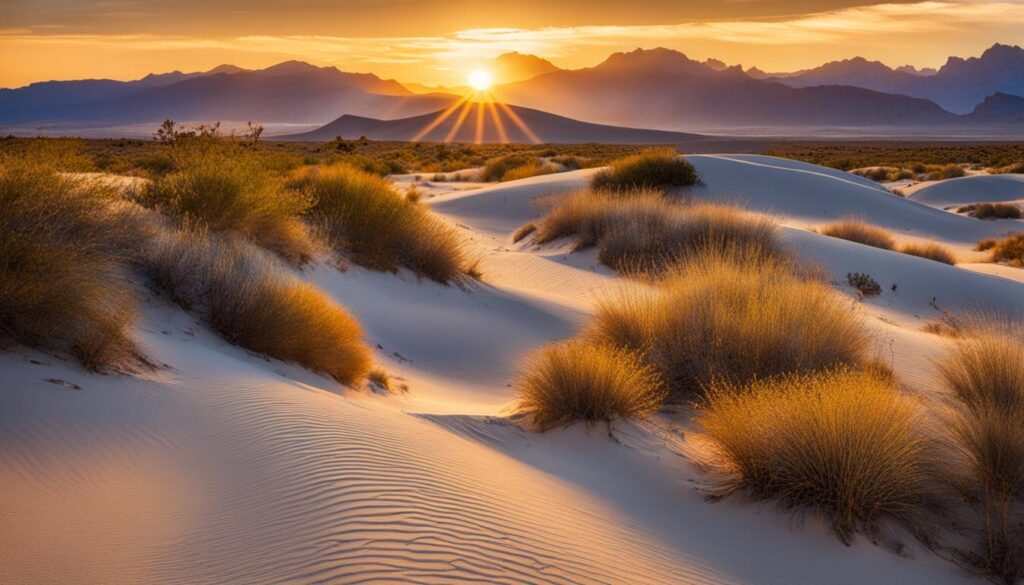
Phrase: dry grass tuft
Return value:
(1009, 250)
(861, 232)
(524, 230)
(842, 443)
(250, 299)
(367, 220)
(63, 269)
(515, 166)
(656, 168)
(642, 232)
(723, 317)
(991, 211)
(234, 191)
(577, 380)
(984, 369)
(931, 251)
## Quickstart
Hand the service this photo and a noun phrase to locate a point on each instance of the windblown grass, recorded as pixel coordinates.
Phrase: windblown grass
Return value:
(576, 380)
(234, 191)
(861, 232)
(724, 317)
(642, 231)
(984, 369)
(656, 168)
(250, 299)
(376, 227)
(842, 443)
(931, 251)
(63, 282)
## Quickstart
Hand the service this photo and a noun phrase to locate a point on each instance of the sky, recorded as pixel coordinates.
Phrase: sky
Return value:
(438, 42)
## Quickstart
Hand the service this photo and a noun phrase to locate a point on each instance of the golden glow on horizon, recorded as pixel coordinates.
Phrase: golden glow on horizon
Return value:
(485, 102)
(480, 79)
(917, 33)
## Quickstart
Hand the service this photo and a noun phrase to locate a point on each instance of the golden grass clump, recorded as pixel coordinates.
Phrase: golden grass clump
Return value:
(577, 380)
(724, 317)
(655, 168)
(859, 231)
(1008, 250)
(515, 166)
(63, 265)
(367, 220)
(223, 189)
(984, 369)
(253, 301)
(842, 443)
(931, 251)
(642, 231)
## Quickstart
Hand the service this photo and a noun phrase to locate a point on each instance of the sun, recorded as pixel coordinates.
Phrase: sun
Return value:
(480, 79)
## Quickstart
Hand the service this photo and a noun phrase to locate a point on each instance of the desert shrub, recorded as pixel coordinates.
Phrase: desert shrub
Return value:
(642, 231)
(984, 370)
(1009, 249)
(658, 168)
(253, 301)
(569, 162)
(222, 189)
(864, 284)
(379, 378)
(376, 227)
(514, 166)
(577, 380)
(842, 443)
(990, 211)
(861, 232)
(931, 251)
(732, 318)
(950, 171)
(63, 268)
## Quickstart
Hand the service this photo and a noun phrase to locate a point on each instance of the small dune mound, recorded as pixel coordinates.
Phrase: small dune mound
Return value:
(364, 218)
(227, 190)
(931, 251)
(251, 299)
(576, 380)
(657, 168)
(984, 370)
(842, 443)
(859, 231)
(640, 231)
(63, 266)
(724, 317)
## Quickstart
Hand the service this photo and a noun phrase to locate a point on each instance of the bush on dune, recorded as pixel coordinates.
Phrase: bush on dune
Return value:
(991, 211)
(725, 317)
(1009, 250)
(931, 251)
(224, 188)
(250, 299)
(366, 219)
(842, 443)
(514, 166)
(642, 231)
(984, 370)
(63, 271)
(576, 380)
(657, 168)
(861, 232)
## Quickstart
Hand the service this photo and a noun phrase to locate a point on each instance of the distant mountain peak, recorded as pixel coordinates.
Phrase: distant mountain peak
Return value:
(516, 66)
(292, 67)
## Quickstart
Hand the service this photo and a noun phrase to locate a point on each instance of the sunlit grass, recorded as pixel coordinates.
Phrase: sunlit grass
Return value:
(577, 380)
(656, 168)
(856, 230)
(842, 443)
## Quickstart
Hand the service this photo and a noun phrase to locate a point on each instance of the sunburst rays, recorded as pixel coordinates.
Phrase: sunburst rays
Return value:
(487, 121)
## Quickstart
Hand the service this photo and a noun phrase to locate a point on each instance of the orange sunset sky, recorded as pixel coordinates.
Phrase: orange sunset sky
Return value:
(438, 41)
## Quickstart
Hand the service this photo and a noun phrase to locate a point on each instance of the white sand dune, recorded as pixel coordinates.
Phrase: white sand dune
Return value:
(225, 467)
(965, 190)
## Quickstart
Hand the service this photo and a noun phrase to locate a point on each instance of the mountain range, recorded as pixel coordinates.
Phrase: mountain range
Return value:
(658, 89)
